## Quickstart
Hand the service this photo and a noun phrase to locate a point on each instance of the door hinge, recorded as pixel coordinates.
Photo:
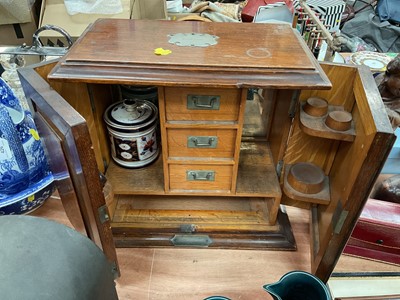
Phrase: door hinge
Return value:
(103, 214)
(279, 167)
(114, 270)
(293, 103)
(339, 217)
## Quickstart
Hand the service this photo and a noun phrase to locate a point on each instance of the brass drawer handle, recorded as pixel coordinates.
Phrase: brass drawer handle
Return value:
(192, 175)
(203, 102)
(202, 142)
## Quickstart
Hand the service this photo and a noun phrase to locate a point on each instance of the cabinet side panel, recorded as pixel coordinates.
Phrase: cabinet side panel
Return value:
(281, 123)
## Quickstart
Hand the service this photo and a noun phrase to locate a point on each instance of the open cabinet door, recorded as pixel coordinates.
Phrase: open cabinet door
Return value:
(351, 160)
(72, 160)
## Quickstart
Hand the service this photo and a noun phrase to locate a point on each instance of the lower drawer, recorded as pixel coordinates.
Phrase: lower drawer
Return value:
(200, 177)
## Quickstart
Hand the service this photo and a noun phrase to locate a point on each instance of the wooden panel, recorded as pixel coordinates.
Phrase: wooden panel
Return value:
(305, 148)
(261, 62)
(177, 110)
(77, 95)
(281, 121)
(228, 52)
(78, 151)
(102, 97)
(222, 181)
(163, 131)
(256, 174)
(178, 143)
(353, 173)
(341, 93)
(142, 221)
(146, 180)
(217, 213)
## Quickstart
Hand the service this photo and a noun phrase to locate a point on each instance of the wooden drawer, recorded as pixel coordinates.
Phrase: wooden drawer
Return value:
(209, 177)
(200, 104)
(215, 143)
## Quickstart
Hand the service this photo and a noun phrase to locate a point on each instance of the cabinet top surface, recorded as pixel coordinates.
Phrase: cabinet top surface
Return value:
(242, 48)
(238, 44)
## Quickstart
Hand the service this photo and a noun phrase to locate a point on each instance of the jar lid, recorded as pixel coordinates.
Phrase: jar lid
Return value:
(140, 89)
(130, 114)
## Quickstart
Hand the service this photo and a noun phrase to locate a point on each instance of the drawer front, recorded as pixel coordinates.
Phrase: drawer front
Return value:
(379, 234)
(199, 104)
(215, 143)
(200, 177)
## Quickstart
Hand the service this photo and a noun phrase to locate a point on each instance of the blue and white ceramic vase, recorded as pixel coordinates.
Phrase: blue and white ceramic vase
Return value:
(23, 162)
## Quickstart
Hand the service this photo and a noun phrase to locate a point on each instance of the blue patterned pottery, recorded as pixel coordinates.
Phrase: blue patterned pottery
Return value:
(29, 199)
(298, 285)
(22, 159)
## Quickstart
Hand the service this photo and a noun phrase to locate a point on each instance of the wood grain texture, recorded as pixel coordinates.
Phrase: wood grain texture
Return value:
(252, 62)
(281, 121)
(362, 161)
(352, 167)
(178, 140)
(319, 126)
(214, 213)
(172, 273)
(238, 142)
(341, 93)
(79, 154)
(222, 182)
(101, 97)
(256, 173)
(303, 147)
(176, 106)
(77, 95)
(292, 191)
(149, 180)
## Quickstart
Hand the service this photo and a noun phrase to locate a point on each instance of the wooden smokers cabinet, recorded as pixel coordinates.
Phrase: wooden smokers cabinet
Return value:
(285, 146)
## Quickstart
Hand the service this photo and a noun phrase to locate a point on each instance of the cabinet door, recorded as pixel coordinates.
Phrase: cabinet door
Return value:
(350, 160)
(72, 159)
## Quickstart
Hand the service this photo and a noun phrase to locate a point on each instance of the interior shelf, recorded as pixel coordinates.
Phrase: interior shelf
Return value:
(256, 175)
(315, 126)
(322, 197)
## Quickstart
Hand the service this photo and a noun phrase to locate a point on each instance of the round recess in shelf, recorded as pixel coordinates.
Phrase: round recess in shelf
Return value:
(316, 107)
(339, 120)
(306, 178)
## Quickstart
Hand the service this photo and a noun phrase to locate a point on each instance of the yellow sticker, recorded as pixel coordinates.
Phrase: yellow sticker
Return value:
(34, 133)
(31, 198)
(161, 51)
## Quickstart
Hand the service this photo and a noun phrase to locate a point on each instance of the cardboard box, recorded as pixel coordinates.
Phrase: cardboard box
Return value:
(54, 12)
(149, 9)
(17, 34)
(15, 11)
(18, 22)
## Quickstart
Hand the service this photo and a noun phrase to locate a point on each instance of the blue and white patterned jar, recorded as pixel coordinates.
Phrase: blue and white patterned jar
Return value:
(22, 159)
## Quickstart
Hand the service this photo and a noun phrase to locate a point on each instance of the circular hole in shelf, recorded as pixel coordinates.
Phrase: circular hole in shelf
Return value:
(316, 107)
(306, 178)
(339, 120)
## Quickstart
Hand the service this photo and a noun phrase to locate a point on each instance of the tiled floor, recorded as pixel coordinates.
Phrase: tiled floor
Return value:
(177, 274)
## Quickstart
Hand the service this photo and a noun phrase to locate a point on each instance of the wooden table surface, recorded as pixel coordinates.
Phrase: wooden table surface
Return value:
(171, 273)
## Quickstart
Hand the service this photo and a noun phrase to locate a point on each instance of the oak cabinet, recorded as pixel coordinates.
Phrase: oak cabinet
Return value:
(228, 160)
